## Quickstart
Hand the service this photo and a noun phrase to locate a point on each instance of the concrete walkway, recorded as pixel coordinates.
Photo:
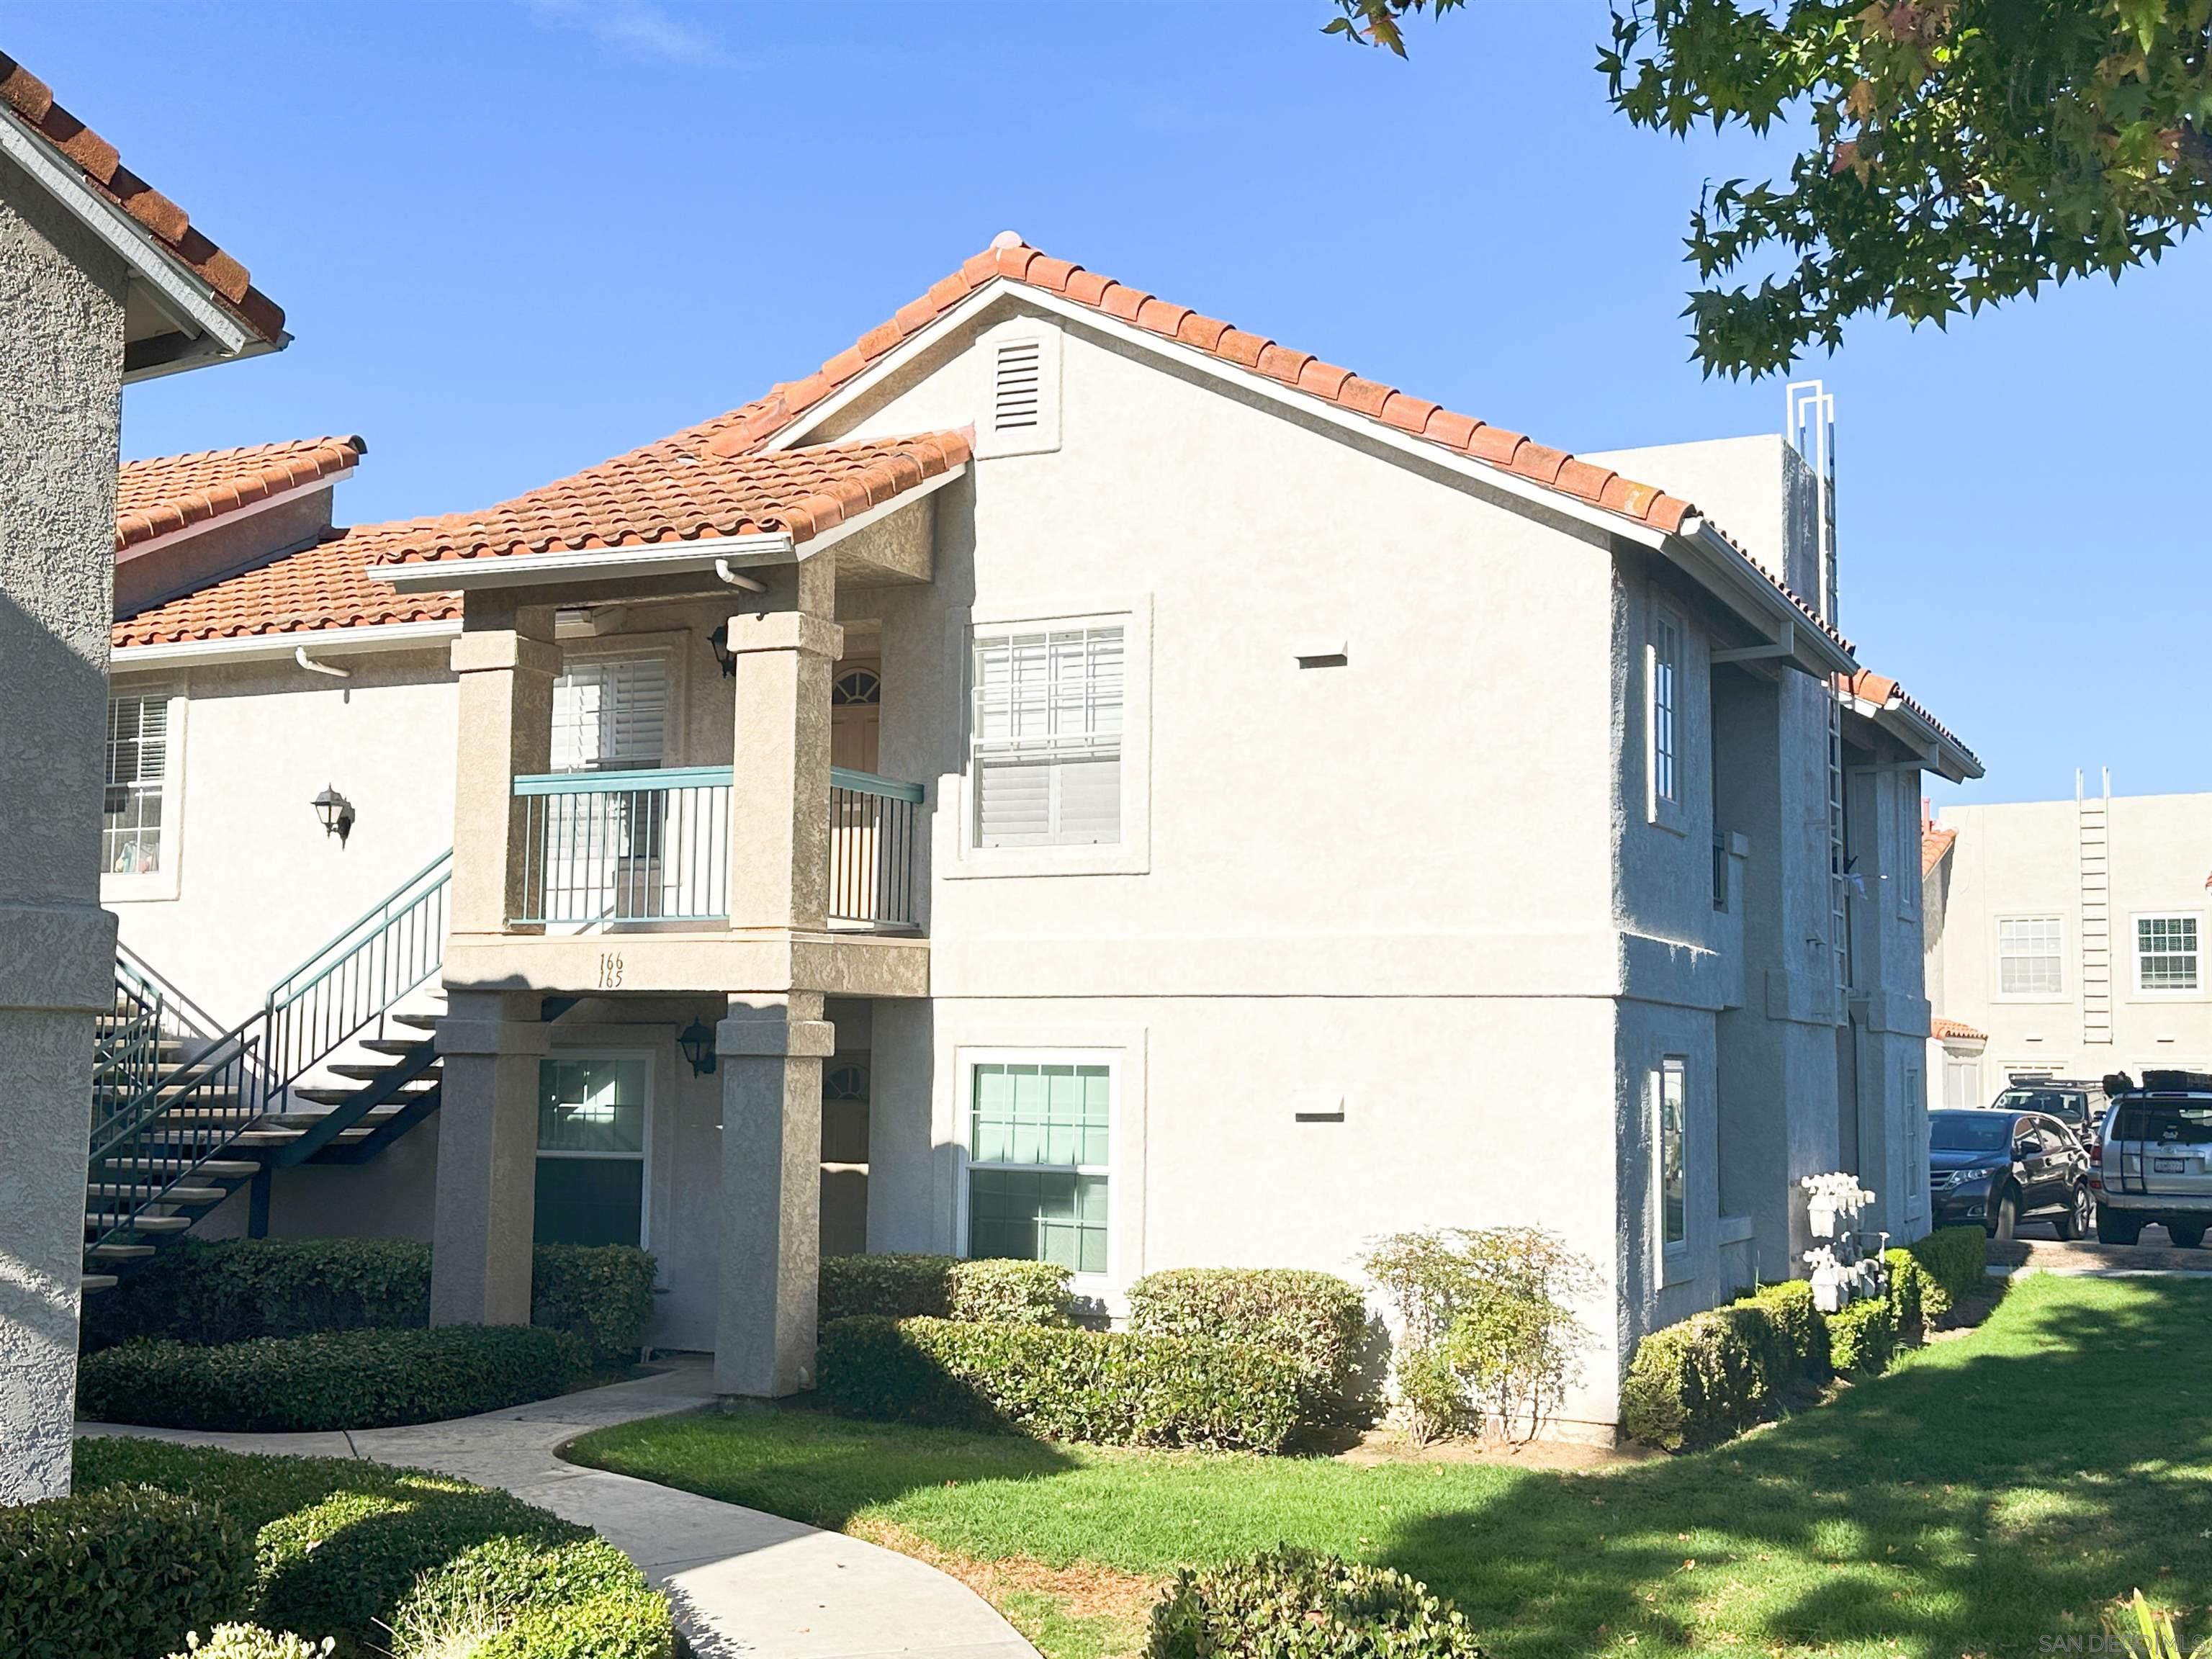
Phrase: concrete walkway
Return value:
(2155, 1257)
(742, 1583)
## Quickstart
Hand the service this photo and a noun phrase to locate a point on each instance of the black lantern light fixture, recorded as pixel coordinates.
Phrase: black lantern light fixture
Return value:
(336, 811)
(698, 1045)
(720, 639)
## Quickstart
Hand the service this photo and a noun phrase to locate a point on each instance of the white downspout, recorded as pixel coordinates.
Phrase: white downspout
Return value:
(300, 656)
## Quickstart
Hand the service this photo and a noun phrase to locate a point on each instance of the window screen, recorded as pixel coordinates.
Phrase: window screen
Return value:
(1038, 1149)
(2027, 957)
(1666, 667)
(590, 1151)
(1047, 738)
(137, 778)
(2166, 953)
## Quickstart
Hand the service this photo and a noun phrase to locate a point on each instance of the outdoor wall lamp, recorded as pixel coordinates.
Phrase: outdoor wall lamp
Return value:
(698, 1045)
(336, 813)
(720, 639)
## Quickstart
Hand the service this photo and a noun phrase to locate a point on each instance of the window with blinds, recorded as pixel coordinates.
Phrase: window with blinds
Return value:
(137, 778)
(2028, 960)
(610, 714)
(1046, 737)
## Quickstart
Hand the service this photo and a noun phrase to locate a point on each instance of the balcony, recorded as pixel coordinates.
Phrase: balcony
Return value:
(650, 851)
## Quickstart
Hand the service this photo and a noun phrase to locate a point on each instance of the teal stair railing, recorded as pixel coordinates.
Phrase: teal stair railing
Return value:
(192, 1124)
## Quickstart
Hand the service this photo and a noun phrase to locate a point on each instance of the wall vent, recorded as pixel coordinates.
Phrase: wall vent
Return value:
(1021, 402)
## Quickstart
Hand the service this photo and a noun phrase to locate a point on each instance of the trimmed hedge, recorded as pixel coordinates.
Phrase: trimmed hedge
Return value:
(1291, 1603)
(1109, 1388)
(1908, 1297)
(360, 1551)
(987, 1288)
(1718, 1372)
(335, 1380)
(1955, 1264)
(213, 1292)
(1863, 1336)
(1315, 1320)
(118, 1573)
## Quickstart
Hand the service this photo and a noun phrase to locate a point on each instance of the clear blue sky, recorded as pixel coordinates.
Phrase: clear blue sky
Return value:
(514, 239)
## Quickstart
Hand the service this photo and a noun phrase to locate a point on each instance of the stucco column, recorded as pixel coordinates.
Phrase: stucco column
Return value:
(491, 1043)
(61, 384)
(771, 1237)
(780, 806)
(506, 729)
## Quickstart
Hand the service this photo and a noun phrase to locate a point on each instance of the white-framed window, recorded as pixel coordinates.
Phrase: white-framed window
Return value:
(2166, 950)
(1670, 1191)
(1907, 869)
(2029, 957)
(1663, 729)
(611, 712)
(594, 1127)
(1045, 735)
(1038, 1130)
(136, 806)
(1916, 1122)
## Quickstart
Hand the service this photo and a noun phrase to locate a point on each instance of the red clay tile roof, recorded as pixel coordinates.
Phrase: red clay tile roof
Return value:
(323, 587)
(1010, 258)
(1934, 844)
(168, 493)
(1870, 687)
(665, 493)
(1955, 1031)
(682, 488)
(103, 167)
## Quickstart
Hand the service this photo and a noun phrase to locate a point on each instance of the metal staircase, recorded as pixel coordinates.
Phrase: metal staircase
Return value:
(337, 1064)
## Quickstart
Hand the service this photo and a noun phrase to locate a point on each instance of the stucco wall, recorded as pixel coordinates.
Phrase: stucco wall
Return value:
(2022, 859)
(61, 375)
(251, 883)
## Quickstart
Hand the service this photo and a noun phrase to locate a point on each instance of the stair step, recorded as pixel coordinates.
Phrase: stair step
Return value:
(222, 1169)
(243, 1138)
(100, 1190)
(323, 1095)
(361, 1069)
(425, 1023)
(91, 1282)
(303, 1122)
(101, 1220)
(398, 1046)
(121, 1252)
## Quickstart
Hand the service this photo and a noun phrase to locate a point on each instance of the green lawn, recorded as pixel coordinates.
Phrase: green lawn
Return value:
(1986, 1497)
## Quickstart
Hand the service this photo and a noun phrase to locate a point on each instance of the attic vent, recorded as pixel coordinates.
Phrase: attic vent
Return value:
(1017, 385)
(1021, 415)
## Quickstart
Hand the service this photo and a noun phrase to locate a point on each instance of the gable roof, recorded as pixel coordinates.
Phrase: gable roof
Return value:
(100, 164)
(683, 488)
(663, 493)
(164, 494)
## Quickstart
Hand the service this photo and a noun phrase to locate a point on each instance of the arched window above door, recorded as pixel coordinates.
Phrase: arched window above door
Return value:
(856, 688)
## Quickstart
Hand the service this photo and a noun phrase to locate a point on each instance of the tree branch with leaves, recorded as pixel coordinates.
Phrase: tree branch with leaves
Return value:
(1954, 153)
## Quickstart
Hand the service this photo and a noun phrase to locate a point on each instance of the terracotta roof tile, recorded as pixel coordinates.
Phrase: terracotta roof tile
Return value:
(1934, 844)
(1870, 687)
(683, 488)
(171, 492)
(1955, 1031)
(102, 168)
(324, 586)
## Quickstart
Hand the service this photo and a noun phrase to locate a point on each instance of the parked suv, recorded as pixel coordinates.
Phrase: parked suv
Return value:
(2000, 1169)
(2155, 1163)
(2081, 1106)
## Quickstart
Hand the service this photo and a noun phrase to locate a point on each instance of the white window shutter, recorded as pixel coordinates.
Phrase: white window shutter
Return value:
(610, 714)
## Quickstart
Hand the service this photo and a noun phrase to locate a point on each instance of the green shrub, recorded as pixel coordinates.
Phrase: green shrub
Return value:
(1908, 1297)
(898, 1286)
(1798, 1327)
(386, 1557)
(1717, 1373)
(1317, 1321)
(214, 1291)
(118, 1574)
(252, 1642)
(1290, 1603)
(338, 1380)
(1863, 1336)
(1489, 1308)
(602, 1293)
(1955, 1262)
(1109, 1388)
(232, 1290)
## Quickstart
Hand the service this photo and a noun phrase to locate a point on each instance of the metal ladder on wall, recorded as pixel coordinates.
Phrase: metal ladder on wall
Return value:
(2092, 819)
(330, 1070)
(1811, 422)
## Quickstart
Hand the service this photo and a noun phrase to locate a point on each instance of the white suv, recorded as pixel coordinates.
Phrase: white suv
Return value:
(2156, 1160)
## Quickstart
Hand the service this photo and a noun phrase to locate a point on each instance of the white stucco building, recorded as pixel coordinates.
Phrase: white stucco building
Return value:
(2065, 938)
(1086, 781)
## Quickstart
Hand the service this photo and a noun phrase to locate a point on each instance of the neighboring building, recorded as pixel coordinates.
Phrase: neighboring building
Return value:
(1069, 778)
(102, 281)
(2065, 938)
